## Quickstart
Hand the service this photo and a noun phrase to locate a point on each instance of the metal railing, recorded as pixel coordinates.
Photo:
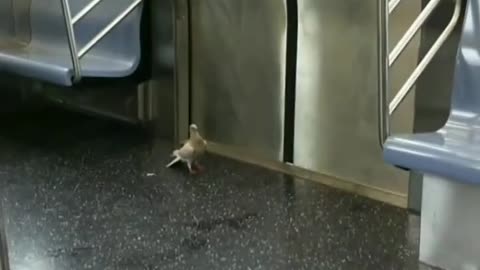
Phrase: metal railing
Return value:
(386, 59)
(76, 55)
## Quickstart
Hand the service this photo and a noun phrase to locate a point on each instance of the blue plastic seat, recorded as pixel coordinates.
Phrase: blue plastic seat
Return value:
(453, 152)
(46, 55)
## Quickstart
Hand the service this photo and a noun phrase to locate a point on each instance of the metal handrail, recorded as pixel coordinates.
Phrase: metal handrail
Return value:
(392, 5)
(412, 30)
(85, 10)
(76, 55)
(72, 42)
(108, 28)
(386, 59)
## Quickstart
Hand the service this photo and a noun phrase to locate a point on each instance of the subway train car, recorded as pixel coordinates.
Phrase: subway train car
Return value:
(239, 134)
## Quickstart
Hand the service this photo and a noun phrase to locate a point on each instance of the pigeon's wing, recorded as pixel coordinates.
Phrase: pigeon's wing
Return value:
(186, 152)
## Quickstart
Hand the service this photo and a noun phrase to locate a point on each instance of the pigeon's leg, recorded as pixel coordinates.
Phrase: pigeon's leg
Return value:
(190, 169)
(198, 166)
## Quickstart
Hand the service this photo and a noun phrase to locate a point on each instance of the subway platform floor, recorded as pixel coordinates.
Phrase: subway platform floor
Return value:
(85, 193)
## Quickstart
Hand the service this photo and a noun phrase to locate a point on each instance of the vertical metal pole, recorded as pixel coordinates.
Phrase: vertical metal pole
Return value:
(383, 67)
(183, 65)
(72, 43)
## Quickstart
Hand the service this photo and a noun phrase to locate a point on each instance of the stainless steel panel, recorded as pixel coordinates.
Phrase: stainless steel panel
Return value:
(238, 73)
(449, 237)
(182, 70)
(335, 114)
(4, 262)
(7, 20)
(160, 90)
(15, 26)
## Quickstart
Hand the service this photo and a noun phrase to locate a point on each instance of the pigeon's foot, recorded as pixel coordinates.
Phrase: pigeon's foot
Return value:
(199, 167)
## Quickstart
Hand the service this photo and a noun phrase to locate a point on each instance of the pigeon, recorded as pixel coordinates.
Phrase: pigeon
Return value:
(189, 153)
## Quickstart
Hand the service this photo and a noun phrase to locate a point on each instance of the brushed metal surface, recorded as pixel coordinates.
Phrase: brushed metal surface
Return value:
(4, 256)
(7, 31)
(182, 70)
(335, 116)
(22, 23)
(449, 236)
(15, 22)
(160, 89)
(238, 73)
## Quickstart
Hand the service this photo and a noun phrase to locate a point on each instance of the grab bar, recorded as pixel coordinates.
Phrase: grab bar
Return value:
(85, 10)
(386, 59)
(75, 54)
(392, 5)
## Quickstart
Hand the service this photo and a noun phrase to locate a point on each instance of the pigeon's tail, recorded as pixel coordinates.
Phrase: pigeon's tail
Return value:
(175, 160)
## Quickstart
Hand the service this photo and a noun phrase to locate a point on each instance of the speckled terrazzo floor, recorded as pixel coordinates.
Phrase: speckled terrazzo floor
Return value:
(83, 193)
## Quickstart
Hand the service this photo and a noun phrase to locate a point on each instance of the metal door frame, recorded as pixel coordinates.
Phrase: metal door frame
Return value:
(182, 101)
